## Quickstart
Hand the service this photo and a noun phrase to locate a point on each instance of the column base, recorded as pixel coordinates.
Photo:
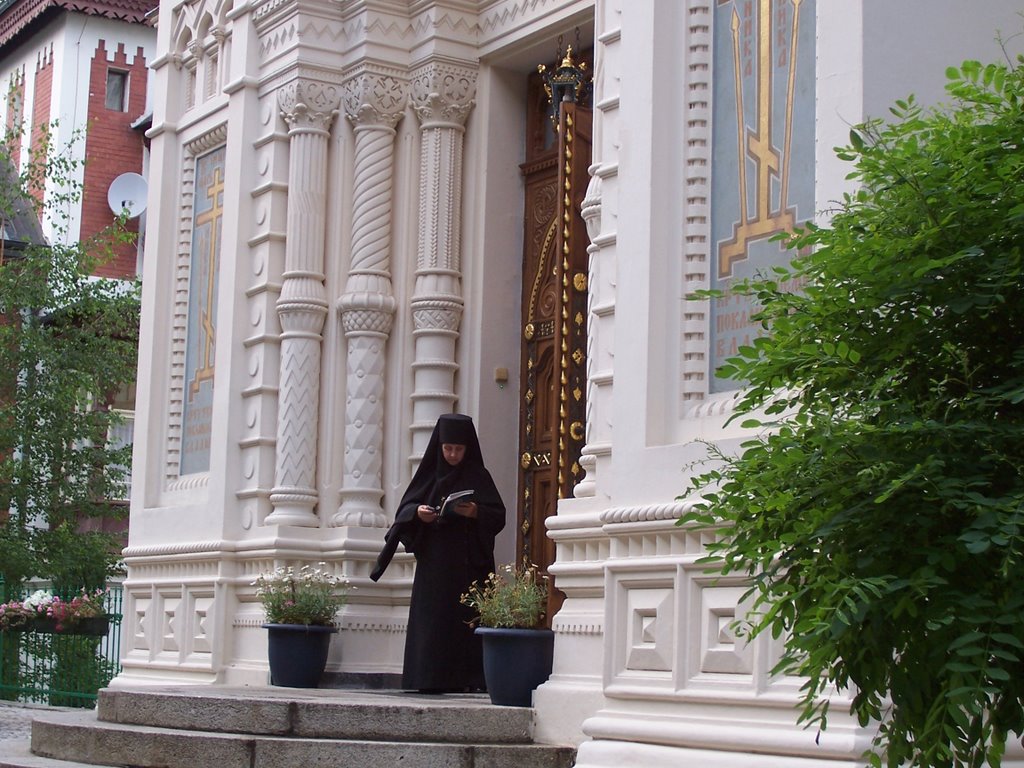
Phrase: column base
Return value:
(289, 510)
(359, 509)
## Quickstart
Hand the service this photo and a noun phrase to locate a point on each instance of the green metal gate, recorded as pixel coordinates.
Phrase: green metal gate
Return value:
(61, 669)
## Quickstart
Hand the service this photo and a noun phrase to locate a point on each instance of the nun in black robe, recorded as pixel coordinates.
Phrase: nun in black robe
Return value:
(441, 652)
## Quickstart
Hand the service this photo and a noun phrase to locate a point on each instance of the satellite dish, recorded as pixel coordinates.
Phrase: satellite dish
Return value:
(127, 193)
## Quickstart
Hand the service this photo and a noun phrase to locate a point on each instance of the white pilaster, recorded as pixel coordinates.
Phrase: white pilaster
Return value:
(374, 102)
(308, 108)
(442, 94)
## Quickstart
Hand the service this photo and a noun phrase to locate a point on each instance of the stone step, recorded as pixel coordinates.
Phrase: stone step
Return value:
(17, 754)
(83, 737)
(321, 714)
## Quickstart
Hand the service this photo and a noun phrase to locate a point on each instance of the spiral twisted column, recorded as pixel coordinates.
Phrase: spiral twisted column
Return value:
(374, 103)
(308, 108)
(442, 97)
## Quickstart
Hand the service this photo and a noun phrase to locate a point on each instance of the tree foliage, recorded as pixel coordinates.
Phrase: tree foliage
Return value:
(879, 510)
(67, 343)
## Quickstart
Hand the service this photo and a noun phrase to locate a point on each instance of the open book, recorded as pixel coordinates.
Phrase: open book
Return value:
(447, 507)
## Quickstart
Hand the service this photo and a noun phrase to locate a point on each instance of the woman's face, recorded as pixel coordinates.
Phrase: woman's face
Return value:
(453, 453)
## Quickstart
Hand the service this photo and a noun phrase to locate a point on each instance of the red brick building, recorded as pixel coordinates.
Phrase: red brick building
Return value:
(67, 67)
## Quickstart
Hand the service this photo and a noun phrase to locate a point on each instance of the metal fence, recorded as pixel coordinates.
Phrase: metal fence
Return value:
(64, 670)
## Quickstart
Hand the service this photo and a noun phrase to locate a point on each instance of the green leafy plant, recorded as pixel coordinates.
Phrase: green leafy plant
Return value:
(304, 596)
(879, 511)
(78, 671)
(68, 342)
(512, 597)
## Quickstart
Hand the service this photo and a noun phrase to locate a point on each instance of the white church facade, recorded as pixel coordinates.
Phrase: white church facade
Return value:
(361, 218)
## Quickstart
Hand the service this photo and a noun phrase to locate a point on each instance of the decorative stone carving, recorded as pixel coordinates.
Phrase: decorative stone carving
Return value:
(590, 211)
(442, 94)
(437, 315)
(590, 208)
(374, 103)
(308, 107)
(356, 318)
(375, 99)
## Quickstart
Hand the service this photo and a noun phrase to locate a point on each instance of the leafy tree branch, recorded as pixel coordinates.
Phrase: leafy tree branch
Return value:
(67, 343)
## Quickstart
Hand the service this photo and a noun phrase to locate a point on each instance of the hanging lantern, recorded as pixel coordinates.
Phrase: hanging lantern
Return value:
(567, 82)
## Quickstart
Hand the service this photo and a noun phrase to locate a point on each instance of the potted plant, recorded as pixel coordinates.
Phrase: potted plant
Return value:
(42, 611)
(518, 650)
(300, 607)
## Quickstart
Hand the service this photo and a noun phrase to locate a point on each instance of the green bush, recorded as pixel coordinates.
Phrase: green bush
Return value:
(879, 510)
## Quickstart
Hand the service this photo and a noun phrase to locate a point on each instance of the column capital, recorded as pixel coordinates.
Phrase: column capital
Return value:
(309, 104)
(443, 92)
(375, 96)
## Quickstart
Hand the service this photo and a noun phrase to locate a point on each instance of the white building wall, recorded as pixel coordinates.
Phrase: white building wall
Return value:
(909, 45)
(647, 672)
(679, 688)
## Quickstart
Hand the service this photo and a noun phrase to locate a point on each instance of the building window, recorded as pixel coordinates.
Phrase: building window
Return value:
(117, 90)
(122, 435)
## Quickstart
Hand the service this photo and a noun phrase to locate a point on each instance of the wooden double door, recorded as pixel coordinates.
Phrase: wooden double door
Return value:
(554, 314)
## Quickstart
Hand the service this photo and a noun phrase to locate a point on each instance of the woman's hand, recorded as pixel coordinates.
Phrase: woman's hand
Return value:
(426, 514)
(466, 509)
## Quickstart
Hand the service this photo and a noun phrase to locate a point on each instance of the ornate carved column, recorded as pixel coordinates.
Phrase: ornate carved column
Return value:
(308, 108)
(590, 210)
(442, 95)
(374, 103)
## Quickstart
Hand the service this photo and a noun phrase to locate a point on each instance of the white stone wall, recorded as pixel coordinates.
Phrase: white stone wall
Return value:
(202, 536)
(678, 687)
(646, 670)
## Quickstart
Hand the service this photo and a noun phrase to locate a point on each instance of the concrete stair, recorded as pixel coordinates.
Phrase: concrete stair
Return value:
(218, 727)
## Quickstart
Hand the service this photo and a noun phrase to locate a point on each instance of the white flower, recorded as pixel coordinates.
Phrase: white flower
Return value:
(38, 599)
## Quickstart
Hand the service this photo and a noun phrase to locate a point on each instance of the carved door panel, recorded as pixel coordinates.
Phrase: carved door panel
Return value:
(539, 393)
(552, 393)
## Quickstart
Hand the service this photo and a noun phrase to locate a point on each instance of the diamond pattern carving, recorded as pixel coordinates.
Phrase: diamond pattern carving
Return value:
(139, 636)
(169, 624)
(719, 650)
(200, 640)
(650, 635)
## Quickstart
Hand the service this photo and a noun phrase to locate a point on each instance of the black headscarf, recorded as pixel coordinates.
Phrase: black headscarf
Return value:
(435, 478)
